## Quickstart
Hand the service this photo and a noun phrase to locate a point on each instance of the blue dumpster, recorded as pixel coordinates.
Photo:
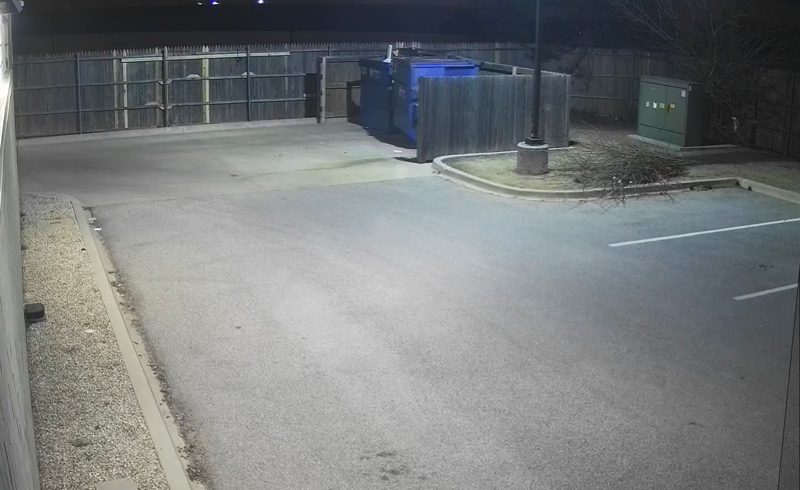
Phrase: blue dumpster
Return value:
(376, 95)
(407, 72)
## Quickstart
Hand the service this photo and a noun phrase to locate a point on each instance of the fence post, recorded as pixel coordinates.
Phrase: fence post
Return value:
(614, 80)
(164, 87)
(124, 89)
(754, 128)
(247, 66)
(115, 79)
(206, 87)
(631, 108)
(78, 116)
(790, 126)
(322, 68)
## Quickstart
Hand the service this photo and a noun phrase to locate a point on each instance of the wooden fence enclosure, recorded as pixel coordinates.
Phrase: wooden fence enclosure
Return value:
(462, 114)
(472, 114)
(488, 113)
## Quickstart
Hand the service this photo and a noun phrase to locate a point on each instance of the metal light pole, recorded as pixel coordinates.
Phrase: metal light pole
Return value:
(532, 154)
(535, 138)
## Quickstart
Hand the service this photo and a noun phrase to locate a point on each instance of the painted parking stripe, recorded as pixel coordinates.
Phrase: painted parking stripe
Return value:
(706, 232)
(765, 292)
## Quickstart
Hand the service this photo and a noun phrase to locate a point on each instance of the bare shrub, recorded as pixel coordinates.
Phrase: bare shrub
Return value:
(619, 168)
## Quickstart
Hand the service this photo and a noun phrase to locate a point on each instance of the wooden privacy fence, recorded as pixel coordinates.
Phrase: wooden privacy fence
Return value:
(154, 88)
(472, 114)
(489, 113)
(146, 88)
(606, 82)
(556, 101)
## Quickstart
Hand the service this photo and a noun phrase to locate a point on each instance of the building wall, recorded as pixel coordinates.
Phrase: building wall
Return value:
(18, 466)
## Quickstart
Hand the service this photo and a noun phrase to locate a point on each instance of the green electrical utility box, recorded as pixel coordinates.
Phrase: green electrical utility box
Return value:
(671, 111)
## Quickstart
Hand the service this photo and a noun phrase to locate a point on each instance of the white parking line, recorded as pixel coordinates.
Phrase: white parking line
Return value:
(706, 232)
(765, 292)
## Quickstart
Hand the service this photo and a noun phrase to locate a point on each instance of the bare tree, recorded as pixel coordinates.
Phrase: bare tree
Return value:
(725, 44)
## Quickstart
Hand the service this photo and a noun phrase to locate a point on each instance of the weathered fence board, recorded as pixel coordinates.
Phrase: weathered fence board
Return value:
(341, 95)
(556, 101)
(489, 113)
(472, 114)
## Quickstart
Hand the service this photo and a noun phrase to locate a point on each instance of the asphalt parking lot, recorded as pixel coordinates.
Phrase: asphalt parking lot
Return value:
(410, 333)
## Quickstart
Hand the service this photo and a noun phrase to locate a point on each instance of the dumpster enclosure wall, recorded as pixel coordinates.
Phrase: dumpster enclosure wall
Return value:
(488, 113)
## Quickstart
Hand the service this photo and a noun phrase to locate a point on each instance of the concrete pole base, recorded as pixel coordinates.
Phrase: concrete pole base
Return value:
(532, 160)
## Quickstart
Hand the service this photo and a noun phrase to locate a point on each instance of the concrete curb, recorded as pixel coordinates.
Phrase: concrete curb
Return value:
(164, 433)
(172, 130)
(771, 191)
(484, 185)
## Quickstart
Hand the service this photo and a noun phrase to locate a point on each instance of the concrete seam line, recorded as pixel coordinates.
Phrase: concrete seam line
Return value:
(159, 432)
(168, 131)
(465, 178)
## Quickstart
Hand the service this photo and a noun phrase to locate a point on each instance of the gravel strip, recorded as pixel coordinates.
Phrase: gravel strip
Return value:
(89, 427)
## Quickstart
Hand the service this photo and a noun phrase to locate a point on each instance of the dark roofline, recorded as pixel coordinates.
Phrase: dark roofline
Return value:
(11, 6)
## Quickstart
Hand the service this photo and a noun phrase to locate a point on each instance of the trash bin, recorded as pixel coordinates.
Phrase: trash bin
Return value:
(407, 72)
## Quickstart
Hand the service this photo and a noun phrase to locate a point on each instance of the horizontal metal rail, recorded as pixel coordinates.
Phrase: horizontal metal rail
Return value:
(242, 77)
(159, 81)
(159, 107)
(90, 84)
(73, 111)
(241, 101)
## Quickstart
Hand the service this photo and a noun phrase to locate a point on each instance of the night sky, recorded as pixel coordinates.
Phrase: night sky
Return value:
(470, 19)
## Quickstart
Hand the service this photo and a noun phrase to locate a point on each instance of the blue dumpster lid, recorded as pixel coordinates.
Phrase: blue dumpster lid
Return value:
(424, 61)
(373, 61)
